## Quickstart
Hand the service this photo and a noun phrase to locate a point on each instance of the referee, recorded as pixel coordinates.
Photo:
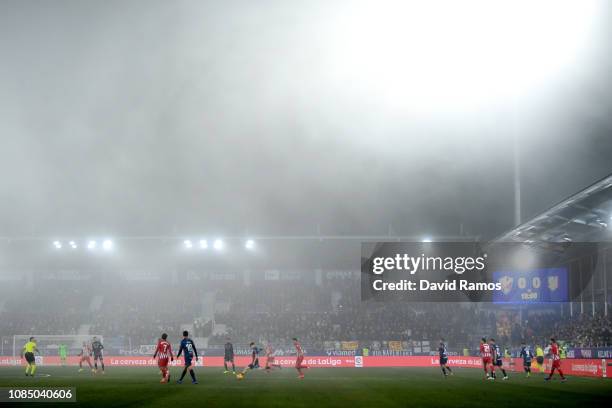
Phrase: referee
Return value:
(28, 353)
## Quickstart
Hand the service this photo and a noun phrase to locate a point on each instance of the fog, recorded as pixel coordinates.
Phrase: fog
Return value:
(192, 119)
(155, 118)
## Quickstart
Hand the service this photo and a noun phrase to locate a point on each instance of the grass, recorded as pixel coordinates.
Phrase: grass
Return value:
(331, 387)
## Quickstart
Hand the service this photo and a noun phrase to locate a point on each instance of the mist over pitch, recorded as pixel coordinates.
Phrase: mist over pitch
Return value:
(275, 118)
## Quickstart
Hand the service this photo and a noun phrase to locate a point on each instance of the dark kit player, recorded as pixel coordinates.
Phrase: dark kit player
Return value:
(497, 359)
(254, 358)
(97, 347)
(189, 351)
(526, 354)
(443, 354)
(228, 356)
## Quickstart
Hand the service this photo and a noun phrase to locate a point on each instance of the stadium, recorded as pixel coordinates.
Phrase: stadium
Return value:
(326, 203)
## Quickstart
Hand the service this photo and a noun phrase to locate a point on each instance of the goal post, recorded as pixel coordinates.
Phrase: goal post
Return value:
(48, 345)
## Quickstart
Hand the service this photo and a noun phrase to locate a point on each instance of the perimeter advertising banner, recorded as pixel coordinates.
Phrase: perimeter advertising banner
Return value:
(577, 367)
(590, 352)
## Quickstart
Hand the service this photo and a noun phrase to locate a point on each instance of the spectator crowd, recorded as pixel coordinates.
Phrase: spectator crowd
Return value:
(276, 311)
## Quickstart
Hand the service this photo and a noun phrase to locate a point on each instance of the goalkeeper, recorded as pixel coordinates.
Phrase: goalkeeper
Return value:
(28, 353)
(63, 353)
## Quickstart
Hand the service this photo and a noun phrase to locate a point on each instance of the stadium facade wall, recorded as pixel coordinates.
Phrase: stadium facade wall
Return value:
(574, 366)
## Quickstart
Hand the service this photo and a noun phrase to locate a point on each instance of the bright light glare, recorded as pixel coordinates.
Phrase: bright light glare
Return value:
(91, 245)
(57, 244)
(203, 244)
(249, 244)
(218, 244)
(73, 244)
(188, 244)
(448, 54)
(426, 239)
(107, 245)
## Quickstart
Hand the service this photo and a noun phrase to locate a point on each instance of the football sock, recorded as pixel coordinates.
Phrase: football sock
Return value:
(183, 373)
(33, 369)
(192, 374)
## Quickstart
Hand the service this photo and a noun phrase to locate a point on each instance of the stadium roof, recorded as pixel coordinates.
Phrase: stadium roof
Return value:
(582, 217)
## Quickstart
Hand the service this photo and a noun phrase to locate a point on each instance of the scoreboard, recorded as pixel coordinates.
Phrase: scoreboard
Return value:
(533, 286)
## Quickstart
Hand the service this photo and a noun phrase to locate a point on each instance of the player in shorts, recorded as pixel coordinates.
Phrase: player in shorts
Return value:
(270, 358)
(527, 355)
(486, 354)
(63, 353)
(254, 358)
(189, 351)
(163, 352)
(97, 347)
(497, 359)
(556, 360)
(28, 353)
(443, 354)
(228, 356)
(85, 355)
(300, 358)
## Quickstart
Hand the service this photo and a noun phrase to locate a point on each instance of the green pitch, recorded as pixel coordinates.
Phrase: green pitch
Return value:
(331, 387)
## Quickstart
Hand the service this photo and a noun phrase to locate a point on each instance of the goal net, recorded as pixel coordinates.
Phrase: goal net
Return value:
(49, 345)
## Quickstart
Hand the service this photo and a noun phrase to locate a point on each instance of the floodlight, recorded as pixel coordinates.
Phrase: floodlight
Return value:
(91, 245)
(203, 244)
(188, 244)
(57, 244)
(218, 244)
(444, 55)
(249, 244)
(107, 245)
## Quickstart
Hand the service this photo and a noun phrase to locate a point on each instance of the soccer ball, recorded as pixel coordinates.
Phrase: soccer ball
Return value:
(239, 376)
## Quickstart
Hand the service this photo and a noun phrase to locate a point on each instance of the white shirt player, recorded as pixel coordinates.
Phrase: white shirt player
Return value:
(86, 350)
